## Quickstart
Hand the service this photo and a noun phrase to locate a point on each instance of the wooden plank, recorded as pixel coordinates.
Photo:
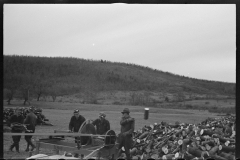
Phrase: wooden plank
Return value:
(61, 143)
(58, 148)
(94, 153)
(69, 144)
(51, 134)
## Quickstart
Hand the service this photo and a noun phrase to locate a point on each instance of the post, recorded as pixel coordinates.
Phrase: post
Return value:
(146, 113)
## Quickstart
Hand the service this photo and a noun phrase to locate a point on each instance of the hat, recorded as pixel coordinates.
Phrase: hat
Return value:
(31, 108)
(101, 114)
(125, 110)
(76, 111)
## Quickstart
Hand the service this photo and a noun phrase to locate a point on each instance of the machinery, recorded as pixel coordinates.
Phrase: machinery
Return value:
(89, 145)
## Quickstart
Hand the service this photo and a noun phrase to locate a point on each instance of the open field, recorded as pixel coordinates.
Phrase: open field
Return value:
(212, 103)
(59, 115)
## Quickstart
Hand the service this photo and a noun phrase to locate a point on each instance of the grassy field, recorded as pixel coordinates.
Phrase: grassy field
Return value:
(60, 113)
(212, 102)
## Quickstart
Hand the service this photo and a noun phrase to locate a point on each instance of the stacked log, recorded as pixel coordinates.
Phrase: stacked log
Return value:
(42, 120)
(211, 138)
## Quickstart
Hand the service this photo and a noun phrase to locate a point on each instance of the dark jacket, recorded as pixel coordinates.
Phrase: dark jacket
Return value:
(102, 126)
(31, 121)
(75, 123)
(127, 125)
(16, 119)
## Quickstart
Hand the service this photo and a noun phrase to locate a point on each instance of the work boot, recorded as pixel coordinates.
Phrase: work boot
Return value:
(11, 147)
(32, 145)
(17, 148)
(27, 149)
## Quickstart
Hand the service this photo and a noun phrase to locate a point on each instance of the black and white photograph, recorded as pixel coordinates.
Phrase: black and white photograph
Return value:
(119, 81)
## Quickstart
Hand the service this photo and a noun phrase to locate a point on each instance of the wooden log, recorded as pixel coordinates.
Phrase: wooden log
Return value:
(227, 156)
(202, 147)
(155, 156)
(150, 145)
(177, 149)
(133, 151)
(191, 133)
(144, 135)
(135, 143)
(168, 156)
(137, 135)
(174, 125)
(158, 132)
(222, 140)
(227, 149)
(208, 148)
(213, 150)
(210, 143)
(207, 132)
(135, 158)
(184, 145)
(160, 143)
(217, 157)
(202, 138)
(202, 127)
(188, 156)
(178, 133)
(196, 152)
(139, 145)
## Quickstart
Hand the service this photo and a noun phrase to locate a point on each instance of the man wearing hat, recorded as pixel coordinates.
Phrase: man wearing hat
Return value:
(31, 122)
(101, 124)
(75, 123)
(127, 127)
(16, 118)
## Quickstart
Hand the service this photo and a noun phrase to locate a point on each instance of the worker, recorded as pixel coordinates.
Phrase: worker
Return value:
(16, 118)
(31, 122)
(75, 123)
(101, 124)
(127, 127)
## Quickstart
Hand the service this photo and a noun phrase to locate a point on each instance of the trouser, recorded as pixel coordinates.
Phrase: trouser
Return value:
(77, 139)
(28, 138)
(126, 142)
(16, 140)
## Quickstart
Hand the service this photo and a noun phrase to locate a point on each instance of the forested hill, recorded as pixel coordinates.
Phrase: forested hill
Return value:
(63, 76)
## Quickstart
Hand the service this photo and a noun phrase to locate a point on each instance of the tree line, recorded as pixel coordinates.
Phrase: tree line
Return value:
(33, 77)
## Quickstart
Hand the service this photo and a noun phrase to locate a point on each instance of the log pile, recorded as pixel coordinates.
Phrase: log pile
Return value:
(41, 119)
(212, 138)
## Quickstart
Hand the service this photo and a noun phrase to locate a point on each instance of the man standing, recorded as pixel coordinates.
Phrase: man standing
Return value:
(101, 124)
(127, 127)
(30, 121)
(75, 123)
(16, 118)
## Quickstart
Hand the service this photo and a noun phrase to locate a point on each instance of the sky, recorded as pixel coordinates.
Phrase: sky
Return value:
(194, 40)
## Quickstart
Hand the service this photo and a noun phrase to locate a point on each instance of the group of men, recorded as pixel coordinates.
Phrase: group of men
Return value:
(41, 119)
(16, 122)
(102, 126)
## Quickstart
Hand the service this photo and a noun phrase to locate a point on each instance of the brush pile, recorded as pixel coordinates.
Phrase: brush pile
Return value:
(212, 138)
(8, 112)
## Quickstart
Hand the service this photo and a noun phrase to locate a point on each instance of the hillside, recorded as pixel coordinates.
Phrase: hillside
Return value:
(42, 76)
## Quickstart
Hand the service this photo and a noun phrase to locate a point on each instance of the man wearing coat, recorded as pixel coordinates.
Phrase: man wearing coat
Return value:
(101, 124)
(31, 122)
(16, 118)
(75, 124)
(127, 127)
